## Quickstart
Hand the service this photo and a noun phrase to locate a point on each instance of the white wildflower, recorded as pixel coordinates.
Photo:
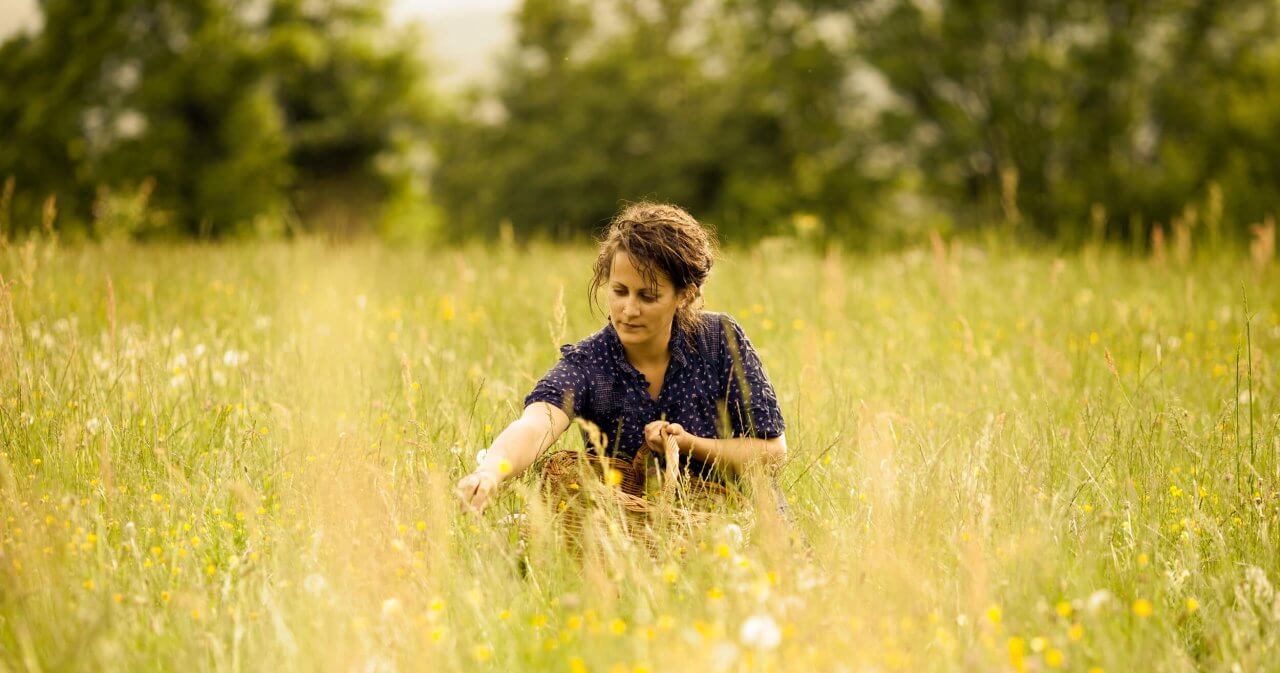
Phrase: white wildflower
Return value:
(733, 533)
(314, 583)
(760, 632)
(1098, 600)
(93, 425)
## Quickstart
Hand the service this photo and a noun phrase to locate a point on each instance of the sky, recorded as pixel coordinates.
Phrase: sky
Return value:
(465, 33)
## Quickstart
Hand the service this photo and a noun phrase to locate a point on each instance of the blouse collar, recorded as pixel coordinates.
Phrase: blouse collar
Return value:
(677, 346)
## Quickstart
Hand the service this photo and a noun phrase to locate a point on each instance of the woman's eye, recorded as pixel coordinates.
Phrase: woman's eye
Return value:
(643, 297)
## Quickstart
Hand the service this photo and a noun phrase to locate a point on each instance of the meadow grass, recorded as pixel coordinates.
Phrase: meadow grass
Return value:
(240, 458)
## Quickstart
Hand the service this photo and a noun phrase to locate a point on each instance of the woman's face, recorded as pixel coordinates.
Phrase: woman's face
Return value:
(640, 313)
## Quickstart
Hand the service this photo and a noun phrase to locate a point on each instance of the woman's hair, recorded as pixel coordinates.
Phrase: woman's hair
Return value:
(660, 239)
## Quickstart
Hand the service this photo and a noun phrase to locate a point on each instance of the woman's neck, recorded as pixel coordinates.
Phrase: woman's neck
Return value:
(649, 354)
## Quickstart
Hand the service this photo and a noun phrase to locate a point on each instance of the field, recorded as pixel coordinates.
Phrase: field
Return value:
(240, 458)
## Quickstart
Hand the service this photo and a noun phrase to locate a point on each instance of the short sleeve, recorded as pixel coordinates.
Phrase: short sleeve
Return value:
(565, 386)
(752, 403)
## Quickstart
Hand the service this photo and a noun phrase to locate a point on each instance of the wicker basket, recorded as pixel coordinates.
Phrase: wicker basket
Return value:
(582, 488)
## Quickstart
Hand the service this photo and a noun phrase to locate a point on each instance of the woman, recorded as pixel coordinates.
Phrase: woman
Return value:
(661, 368)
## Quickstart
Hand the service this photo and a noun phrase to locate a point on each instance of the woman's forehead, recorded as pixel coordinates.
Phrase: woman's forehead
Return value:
(624, 271)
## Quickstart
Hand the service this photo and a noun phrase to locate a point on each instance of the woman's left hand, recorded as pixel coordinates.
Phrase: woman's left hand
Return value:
(684, 440)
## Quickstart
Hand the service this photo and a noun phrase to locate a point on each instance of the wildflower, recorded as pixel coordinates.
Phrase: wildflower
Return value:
(994, 614)
(1053, 658)
(92, 425)
(481, 653)
(733, 533)
(1143, 608)
(1098, 600)
(669, 573)
(314, 583)
(618, 627)
(480, 456)
(1075, 633)
(1017, 653)
(1063, 608)
(614, 477)
(760, 632)
(391, 607)
(1192, 605)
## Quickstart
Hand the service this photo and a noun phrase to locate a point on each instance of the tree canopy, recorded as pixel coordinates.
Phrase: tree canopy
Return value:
(223, 115)
(845, 119)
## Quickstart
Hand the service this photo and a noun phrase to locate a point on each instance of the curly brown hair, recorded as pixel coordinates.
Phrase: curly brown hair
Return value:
(661, 239)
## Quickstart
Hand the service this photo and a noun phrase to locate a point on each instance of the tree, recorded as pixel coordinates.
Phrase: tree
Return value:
(1039, 111)
(729, 115)
(232, 109)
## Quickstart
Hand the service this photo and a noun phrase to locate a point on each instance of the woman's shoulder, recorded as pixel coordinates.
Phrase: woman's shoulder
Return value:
(591, 347)
(716, 324)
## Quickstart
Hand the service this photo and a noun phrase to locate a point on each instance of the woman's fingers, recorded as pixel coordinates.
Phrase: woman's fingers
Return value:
(653, 433)
(474, 490)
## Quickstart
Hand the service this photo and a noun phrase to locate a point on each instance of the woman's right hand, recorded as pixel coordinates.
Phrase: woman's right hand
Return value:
(653, 437)
(474, 490)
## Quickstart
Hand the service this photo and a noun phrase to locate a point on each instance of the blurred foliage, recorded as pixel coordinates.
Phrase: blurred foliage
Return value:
(850, 119)
(1071, 119)
(1039, 111)
(730, 114)
(213, 116)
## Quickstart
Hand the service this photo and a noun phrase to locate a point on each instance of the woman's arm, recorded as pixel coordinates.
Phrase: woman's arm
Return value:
(513, 451)
(734, 453)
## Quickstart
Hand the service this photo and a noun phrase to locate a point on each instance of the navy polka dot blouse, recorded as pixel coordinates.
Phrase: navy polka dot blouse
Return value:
(714, 386)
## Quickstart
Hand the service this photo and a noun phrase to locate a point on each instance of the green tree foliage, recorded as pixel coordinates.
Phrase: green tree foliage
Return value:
(732, 114)
(1069, 118)
(1039, 111)
(227, 114)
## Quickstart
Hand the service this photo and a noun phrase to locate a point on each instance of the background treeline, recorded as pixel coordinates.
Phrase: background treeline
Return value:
(1067, 120)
